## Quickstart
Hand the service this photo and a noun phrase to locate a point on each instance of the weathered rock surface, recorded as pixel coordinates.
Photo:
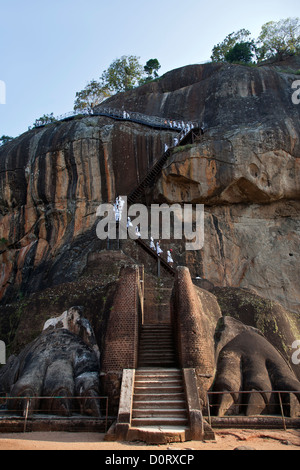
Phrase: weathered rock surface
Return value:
(245, 169)
(229, 350)
(51, 182)
(62, 362)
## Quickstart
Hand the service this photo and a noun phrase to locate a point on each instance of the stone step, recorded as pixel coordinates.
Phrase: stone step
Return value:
(158, 362)
(150, 361)
(155, 378)
(157, 384)
(158, 371)
(144, 379)
(159, 396)
(145, 353)
(158, 341)
(155, 389)
(160, 336)
(158, 421)
(160, 412)
(157, 404)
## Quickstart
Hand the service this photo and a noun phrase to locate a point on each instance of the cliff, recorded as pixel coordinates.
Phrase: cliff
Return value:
(52, 180)
(245, 169)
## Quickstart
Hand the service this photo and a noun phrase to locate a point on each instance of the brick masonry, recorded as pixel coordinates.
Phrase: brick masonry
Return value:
(122, 335)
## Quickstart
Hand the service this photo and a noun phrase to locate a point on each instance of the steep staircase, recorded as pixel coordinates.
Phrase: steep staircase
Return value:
(159, 397)
(156, 346)
(149, 178)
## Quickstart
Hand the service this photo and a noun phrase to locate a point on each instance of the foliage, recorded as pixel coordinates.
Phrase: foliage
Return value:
(220, 50)
(4, 139)
(151, 68)
(276, 40)
(279, 39)
(241, 52)
(45, 119)
(122, 75)
(92, 95)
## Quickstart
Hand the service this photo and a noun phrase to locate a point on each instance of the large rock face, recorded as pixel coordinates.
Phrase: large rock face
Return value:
(51, 182)
(245, 169)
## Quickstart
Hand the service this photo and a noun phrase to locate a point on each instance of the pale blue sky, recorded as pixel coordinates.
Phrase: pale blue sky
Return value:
(51, 49)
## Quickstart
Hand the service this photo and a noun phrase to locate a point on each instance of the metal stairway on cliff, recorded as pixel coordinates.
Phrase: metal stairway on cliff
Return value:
(153, 253)
(182, 139)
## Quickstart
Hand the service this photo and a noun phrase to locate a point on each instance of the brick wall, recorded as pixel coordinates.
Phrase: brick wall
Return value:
(122, 335)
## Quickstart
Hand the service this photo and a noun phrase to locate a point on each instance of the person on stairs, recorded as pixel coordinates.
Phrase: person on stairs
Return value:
(152, 246)
(169, 258)
(137, 232)
(158, 248)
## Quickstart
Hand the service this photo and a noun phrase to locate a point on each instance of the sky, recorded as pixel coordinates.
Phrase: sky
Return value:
(49, 50)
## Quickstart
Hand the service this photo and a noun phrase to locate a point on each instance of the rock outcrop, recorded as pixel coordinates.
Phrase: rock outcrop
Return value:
(51, 182)
(244, 169)
(62, 362)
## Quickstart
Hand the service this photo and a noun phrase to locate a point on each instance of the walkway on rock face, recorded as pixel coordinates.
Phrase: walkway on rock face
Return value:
(177, 125)
(188, 132)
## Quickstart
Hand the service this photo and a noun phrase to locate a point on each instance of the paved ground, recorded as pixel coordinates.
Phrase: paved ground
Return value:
(226, 439)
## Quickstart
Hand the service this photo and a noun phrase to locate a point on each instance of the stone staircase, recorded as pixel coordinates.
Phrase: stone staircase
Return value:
(156, 347)
(159, 397)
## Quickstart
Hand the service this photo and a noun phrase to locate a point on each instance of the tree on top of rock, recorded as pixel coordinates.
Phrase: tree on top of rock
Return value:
(242, 52)
(92, 95)
(151, 68)
(123, 74)
(220, 50)
(279, 39)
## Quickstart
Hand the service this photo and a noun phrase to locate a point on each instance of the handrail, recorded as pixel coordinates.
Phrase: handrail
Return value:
(27, 412)
(243, 392)
(155, 255)
(164, 123)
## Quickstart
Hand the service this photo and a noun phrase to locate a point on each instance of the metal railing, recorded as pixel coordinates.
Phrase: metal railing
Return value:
(25, 409)
(238, 405)
(156, 121)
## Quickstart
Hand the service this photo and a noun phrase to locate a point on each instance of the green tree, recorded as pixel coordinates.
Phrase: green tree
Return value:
(279, 39)
(241, 52)
(4, 139)
(151, 68)
(220, 50)
(92, 95)
(123, 74)
(45, 119)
